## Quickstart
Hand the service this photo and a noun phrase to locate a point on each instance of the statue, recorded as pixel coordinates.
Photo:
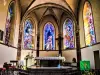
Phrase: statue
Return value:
(49, 43)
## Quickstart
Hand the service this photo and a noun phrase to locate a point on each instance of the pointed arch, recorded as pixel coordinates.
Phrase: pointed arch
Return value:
(88, 24)
(68, 34)
(28, 37)
(9, 27)
(49, 36)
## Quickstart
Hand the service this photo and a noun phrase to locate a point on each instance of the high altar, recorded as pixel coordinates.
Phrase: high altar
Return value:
(49, 61)
(45, 61)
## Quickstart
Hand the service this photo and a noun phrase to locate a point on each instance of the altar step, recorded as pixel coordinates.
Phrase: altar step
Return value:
(49, 72)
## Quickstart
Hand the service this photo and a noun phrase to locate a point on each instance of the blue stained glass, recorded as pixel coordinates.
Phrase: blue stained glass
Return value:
(49, 37)
(28, 37)
(8, 22)
(68, 34)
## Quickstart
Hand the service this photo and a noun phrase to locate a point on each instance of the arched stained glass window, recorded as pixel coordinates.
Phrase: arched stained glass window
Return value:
(9, 25)
(88, 24)
(28, 35)
(49, 36)
(68, 34)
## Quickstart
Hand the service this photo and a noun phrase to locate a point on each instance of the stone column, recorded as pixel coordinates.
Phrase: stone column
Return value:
(78, 50)
(18, 17)
(60, 44)
(38, 39)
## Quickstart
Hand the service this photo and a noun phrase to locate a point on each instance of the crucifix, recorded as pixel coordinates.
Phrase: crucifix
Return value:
(59, 39)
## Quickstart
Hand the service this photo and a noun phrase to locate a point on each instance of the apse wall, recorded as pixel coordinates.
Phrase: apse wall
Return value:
(69, 55)
(87, 52)
(48, 53)
(7, 54)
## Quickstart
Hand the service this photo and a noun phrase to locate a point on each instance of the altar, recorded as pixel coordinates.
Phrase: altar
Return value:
(49, 61)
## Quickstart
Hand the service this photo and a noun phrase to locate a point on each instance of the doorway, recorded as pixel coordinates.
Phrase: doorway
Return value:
(97, 59)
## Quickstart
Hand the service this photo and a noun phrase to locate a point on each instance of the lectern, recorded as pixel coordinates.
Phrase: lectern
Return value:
(27, 58)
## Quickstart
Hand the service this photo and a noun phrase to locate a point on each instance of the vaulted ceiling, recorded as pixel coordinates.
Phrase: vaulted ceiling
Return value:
(25, 4)
(73, 4)
(28, 4)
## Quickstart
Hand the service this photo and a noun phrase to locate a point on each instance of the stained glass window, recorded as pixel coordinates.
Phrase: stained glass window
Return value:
(68, 34)
(28, 35)
(88, 24)
(49, 37)
(10, 15)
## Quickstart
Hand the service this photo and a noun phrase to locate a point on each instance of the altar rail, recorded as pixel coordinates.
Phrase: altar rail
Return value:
(49, 72)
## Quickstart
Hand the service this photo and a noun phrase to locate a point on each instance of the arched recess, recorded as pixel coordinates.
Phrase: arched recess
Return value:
(29, 34)
(68, 21)
(68, 34)
(34, 20)
(48, 20)
(90, 37)
(10, 24)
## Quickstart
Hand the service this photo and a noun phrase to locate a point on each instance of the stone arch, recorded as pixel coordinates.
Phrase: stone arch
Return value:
(45, 20)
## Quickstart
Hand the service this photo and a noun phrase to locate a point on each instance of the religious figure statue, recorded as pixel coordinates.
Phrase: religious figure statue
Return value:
(49, 43)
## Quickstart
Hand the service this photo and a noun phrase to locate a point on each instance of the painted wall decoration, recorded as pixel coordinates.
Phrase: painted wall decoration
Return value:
(88, 24)
(68, 34)
(10, 15)
(49, 36)
(28, 35)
